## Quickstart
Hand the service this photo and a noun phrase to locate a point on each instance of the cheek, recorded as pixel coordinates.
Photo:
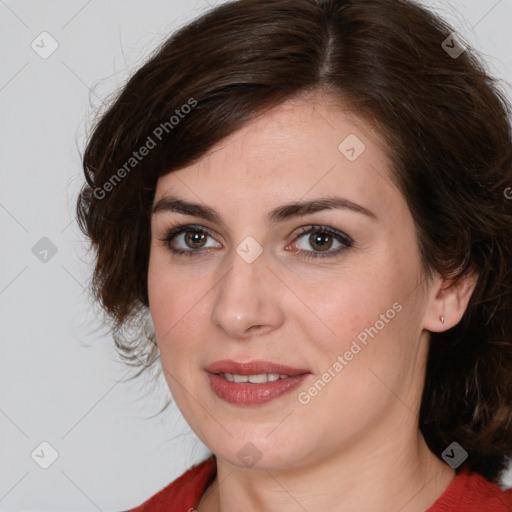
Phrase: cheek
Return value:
(172, 312)
(172, 324)
(167, 291)
(167, 301)
(369, 314)
(346, 304)
(179, 306)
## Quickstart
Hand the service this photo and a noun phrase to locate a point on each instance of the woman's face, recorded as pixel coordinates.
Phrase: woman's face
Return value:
(343, 306)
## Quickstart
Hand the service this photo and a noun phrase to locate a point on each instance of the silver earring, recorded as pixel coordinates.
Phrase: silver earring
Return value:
(442, 319)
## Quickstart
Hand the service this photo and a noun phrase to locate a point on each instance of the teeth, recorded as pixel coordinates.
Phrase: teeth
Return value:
(258, 379)
(254, 379)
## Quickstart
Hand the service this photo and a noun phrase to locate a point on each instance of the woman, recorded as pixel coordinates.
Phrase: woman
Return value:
(309, 198)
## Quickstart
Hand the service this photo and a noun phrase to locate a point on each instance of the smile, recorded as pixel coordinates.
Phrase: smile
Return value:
(259, 378)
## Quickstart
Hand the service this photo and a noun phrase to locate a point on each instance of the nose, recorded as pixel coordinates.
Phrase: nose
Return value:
(247, 299)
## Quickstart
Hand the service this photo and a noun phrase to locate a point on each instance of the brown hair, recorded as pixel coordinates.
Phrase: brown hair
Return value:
(445, 123)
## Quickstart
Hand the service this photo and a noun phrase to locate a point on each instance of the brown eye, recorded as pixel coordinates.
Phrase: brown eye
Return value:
(195, 239)
(188, 240)
(320, 241)
(317, 242)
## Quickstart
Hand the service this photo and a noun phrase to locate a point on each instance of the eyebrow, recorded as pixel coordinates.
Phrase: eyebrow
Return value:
(296, 209)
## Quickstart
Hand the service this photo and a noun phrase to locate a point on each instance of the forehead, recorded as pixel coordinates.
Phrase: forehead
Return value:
(296, 127)
(304, 147)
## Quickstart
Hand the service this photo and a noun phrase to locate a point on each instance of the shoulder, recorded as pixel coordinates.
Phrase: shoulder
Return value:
(183, 493)
(471, 492)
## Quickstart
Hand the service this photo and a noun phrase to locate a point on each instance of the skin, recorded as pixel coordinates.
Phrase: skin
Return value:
(356, 445)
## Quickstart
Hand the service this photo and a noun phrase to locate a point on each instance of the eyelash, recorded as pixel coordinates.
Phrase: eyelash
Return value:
(343, 238)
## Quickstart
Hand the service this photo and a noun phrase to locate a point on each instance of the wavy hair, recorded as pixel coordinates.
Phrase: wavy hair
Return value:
(447, 128)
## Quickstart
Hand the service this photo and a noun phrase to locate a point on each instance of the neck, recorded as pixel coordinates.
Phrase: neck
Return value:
(397, 473)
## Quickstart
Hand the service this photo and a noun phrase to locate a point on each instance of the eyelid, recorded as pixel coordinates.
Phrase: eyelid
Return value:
(345, 240)
(313, 228)
(178, 229)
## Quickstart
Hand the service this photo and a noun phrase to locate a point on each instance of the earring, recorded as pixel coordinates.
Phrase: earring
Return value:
(442, 319)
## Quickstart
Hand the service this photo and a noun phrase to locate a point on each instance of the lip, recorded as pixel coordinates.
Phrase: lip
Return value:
(253, 394)
(253, 368)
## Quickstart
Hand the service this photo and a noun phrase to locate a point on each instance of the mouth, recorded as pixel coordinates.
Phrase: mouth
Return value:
(258, 378)
(254, 369)
(255, 382)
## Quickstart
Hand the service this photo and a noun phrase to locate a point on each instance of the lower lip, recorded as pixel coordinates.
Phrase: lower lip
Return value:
(252, 394)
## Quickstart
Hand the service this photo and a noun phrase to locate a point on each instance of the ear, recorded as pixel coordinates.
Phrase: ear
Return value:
(449, 300)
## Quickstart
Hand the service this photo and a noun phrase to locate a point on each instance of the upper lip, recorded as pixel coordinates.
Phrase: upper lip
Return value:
(253, 368)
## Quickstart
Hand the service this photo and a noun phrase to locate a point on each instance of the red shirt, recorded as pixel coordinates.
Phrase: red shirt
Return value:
(467, 492)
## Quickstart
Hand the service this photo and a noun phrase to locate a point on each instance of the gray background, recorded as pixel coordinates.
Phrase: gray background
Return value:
(60, 379)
